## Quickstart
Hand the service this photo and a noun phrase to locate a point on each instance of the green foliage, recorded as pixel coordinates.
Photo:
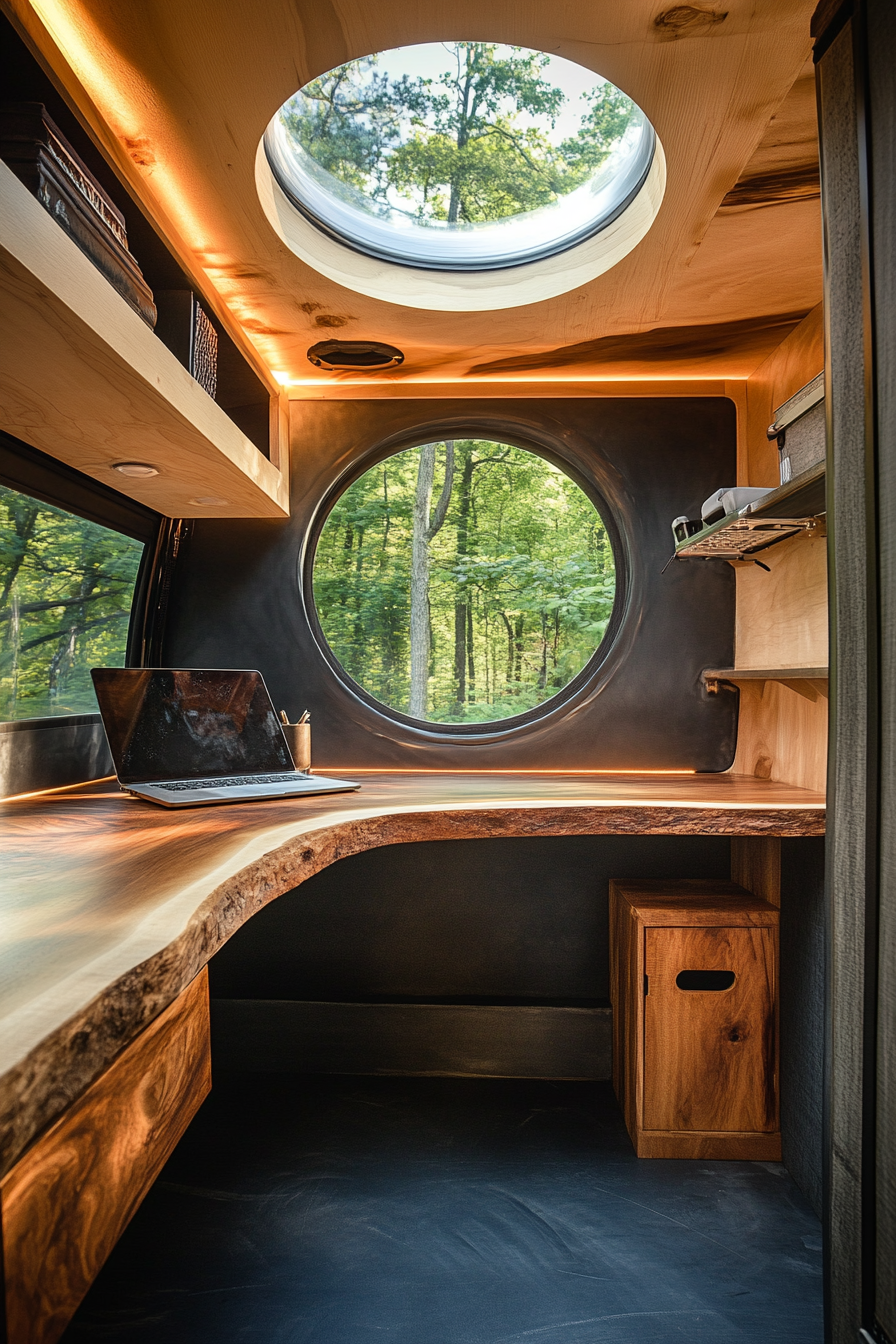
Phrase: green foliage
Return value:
(470, 146)
(605, 122)
(66, 588)
(521, 586)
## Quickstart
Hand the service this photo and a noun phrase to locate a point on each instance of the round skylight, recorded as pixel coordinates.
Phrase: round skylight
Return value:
(462, 157)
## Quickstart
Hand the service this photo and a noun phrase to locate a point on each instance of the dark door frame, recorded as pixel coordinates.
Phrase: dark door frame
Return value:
(855, 53)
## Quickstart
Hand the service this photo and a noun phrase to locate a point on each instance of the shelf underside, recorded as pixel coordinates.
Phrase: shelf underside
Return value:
(807, 681)
(84, 379)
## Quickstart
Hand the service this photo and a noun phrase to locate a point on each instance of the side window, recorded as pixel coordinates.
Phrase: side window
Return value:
(66, 590)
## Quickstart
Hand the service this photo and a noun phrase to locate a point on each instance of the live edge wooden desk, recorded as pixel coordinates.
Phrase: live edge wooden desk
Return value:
(112, 908)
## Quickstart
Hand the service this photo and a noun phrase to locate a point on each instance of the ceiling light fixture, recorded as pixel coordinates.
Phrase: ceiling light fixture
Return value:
(136, 469)
(355, 355)
(209, 501)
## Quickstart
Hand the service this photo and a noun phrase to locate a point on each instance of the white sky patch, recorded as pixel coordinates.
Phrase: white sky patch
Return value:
(432, 60)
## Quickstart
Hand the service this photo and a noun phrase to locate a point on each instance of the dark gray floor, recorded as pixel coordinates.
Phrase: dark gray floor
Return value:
(450, 1211)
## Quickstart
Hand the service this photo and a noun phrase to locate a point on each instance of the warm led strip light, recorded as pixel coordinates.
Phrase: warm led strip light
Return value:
(60, 788)
(422, 770)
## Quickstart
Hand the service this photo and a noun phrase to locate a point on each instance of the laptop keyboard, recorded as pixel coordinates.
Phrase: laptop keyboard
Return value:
(179, 784)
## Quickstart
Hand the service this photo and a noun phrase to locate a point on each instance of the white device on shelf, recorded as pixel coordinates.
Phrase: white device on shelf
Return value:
(730, 499)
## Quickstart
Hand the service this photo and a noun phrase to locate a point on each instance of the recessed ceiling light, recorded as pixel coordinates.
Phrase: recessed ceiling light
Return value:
(135, 469)
(208, 500)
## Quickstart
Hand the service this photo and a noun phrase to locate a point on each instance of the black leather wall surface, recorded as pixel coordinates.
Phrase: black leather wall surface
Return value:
(238, 600)
(803, 1013)
(520, 920)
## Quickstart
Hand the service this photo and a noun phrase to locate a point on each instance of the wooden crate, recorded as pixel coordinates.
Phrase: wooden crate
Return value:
(695, 1055)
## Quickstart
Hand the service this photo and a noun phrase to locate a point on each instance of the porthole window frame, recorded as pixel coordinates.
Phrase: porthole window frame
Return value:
(371, 239)
(462, 291)
(598, 669)
(391, 276)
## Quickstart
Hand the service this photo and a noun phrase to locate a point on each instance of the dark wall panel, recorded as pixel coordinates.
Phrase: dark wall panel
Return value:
(466, 1040)
(518, 920)
(803, 1013)
(238, 602)
(48, 753)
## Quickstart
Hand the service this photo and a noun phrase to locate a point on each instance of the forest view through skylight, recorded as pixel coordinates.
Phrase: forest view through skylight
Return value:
(460, 155)
(464, 581)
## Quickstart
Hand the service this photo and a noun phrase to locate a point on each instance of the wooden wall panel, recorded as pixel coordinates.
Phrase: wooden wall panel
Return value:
(756, 866)
(794, 363)
(782, 617)
(67, 1201)
(783, 734)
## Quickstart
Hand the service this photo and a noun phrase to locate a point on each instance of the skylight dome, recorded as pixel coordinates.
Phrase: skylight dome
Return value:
(463, 157)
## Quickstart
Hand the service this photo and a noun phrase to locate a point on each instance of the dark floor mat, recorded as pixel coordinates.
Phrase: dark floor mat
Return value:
(450, 1211)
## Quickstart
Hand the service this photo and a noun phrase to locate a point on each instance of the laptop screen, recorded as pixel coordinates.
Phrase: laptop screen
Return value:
(165, 723)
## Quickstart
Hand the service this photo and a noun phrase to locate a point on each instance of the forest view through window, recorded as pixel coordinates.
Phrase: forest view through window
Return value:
(66, 589)
(460, 155)
(464, 581)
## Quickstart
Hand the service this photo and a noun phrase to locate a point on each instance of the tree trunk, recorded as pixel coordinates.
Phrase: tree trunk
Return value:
(543, 670)
(464, 504)
(420, 584)
(25, 520)
(460, 655)
(508, 685)
(358, 628)
(423, 533)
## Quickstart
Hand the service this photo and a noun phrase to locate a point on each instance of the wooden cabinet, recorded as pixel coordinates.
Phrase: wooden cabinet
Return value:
(694, 991)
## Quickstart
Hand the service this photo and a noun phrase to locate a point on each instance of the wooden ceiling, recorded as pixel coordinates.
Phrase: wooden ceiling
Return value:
(178, 96)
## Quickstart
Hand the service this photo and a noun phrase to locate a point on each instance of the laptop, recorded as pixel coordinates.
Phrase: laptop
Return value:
(187, 737)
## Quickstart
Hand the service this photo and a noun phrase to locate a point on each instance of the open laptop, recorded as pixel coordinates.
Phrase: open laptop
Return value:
(187, 737)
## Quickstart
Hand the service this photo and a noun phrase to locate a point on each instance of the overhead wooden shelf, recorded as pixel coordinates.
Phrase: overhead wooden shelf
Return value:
(808, 681)
(792, 509)
(84, 379)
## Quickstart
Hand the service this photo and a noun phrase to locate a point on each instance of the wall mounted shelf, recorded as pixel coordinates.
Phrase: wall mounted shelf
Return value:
(807, 681)
(84, 379)
(792, 509)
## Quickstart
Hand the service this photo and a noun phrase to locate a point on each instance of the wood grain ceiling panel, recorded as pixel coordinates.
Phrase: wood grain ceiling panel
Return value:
(179, 96)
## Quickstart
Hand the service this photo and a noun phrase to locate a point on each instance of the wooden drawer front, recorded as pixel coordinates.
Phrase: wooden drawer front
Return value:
(710, 1055)
(66, 1203)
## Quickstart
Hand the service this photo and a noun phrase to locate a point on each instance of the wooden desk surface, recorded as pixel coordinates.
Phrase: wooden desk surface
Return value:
(110, 905)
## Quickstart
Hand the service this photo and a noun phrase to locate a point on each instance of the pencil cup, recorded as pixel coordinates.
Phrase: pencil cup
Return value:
(298, 739)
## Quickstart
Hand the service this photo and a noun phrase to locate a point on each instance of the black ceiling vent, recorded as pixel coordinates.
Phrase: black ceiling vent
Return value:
(354, 355)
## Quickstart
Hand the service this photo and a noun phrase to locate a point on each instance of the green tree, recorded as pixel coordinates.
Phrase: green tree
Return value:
(66, 588)
(606, 121)
(520, 581)
(470, 146)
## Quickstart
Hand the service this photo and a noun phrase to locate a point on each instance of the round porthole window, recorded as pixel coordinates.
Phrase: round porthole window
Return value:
(461, 160)
(464, 582)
